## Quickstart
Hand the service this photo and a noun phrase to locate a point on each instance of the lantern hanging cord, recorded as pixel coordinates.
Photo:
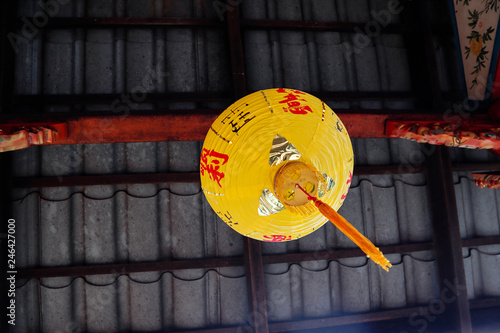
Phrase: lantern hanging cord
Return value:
(364, 243)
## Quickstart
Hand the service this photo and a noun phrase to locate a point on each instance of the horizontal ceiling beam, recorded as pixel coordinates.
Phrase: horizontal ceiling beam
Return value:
(114, 22)
(342, 320)
(178, 177)
(371, 317)
(207, 263)
(480, 241)
(93, 180)
(484, 303)
(187, 125)
(179, 22)
(389, 316)
(129, 100)
(127, 268)
(491, 166)
(351, 27)
(194, 177)
(134, 96)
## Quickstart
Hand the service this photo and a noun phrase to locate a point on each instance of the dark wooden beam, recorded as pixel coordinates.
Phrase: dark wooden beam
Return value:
(223, 329)
(180, 177)
(349, 27)
(7, 55)
(194, 177)
(384, 319)
(254, 266)
(484, 303)
(6, 213)
(365, 95)
(381, 321)
(181, 22)
(396, 320)
(126, 268)
(447, 241)
(475, 242)
(490, 166)
(485, 319)
(119, 102)
(91, 180)
(236, 51)
(429, 53)
(207, 263)
(342, 320)
(161, 266)
(127, 99)
(8, 10)
(365, 170)
(421, 55)
(335, 254)
(135, 22)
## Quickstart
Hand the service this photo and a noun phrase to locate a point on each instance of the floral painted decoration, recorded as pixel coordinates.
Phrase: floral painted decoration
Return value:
(477, 22)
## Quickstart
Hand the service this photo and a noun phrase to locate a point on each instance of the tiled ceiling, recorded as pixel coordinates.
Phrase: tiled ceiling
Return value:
(155, 257)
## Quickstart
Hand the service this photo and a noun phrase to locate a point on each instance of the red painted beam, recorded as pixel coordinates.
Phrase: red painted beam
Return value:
(183, 125)
(189, 125)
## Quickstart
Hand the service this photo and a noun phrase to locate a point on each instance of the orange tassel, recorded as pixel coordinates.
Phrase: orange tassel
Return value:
(364, 243)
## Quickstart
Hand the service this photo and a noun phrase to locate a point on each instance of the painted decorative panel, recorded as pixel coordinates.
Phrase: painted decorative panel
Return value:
(477, 25)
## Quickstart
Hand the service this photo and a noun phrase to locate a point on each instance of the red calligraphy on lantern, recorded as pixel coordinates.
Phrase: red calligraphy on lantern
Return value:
(277, 238)
(350, 178)
(293, 102)
(211, 161)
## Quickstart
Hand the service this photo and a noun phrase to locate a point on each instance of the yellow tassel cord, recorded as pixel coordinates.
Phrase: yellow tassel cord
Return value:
(364, 243)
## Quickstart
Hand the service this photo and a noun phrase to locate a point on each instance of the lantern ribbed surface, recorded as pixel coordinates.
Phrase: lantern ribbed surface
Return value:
(235, 166)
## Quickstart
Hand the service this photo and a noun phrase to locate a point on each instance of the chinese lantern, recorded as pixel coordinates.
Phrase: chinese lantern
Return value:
(275, 163)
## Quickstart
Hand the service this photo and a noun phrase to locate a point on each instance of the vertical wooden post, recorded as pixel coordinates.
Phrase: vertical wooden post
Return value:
(256, 286)
(236, 49)
(253, 252)
(447, 242)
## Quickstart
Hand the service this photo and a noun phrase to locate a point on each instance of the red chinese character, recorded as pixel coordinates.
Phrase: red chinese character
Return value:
(211, 162)
(277, 238)
(350, 178)
(282, 90)
(297, 109)
(290, 98)
(293, 102)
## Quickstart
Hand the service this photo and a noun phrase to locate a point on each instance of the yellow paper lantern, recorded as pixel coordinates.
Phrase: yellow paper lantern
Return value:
(268, 158)
(236, 166)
